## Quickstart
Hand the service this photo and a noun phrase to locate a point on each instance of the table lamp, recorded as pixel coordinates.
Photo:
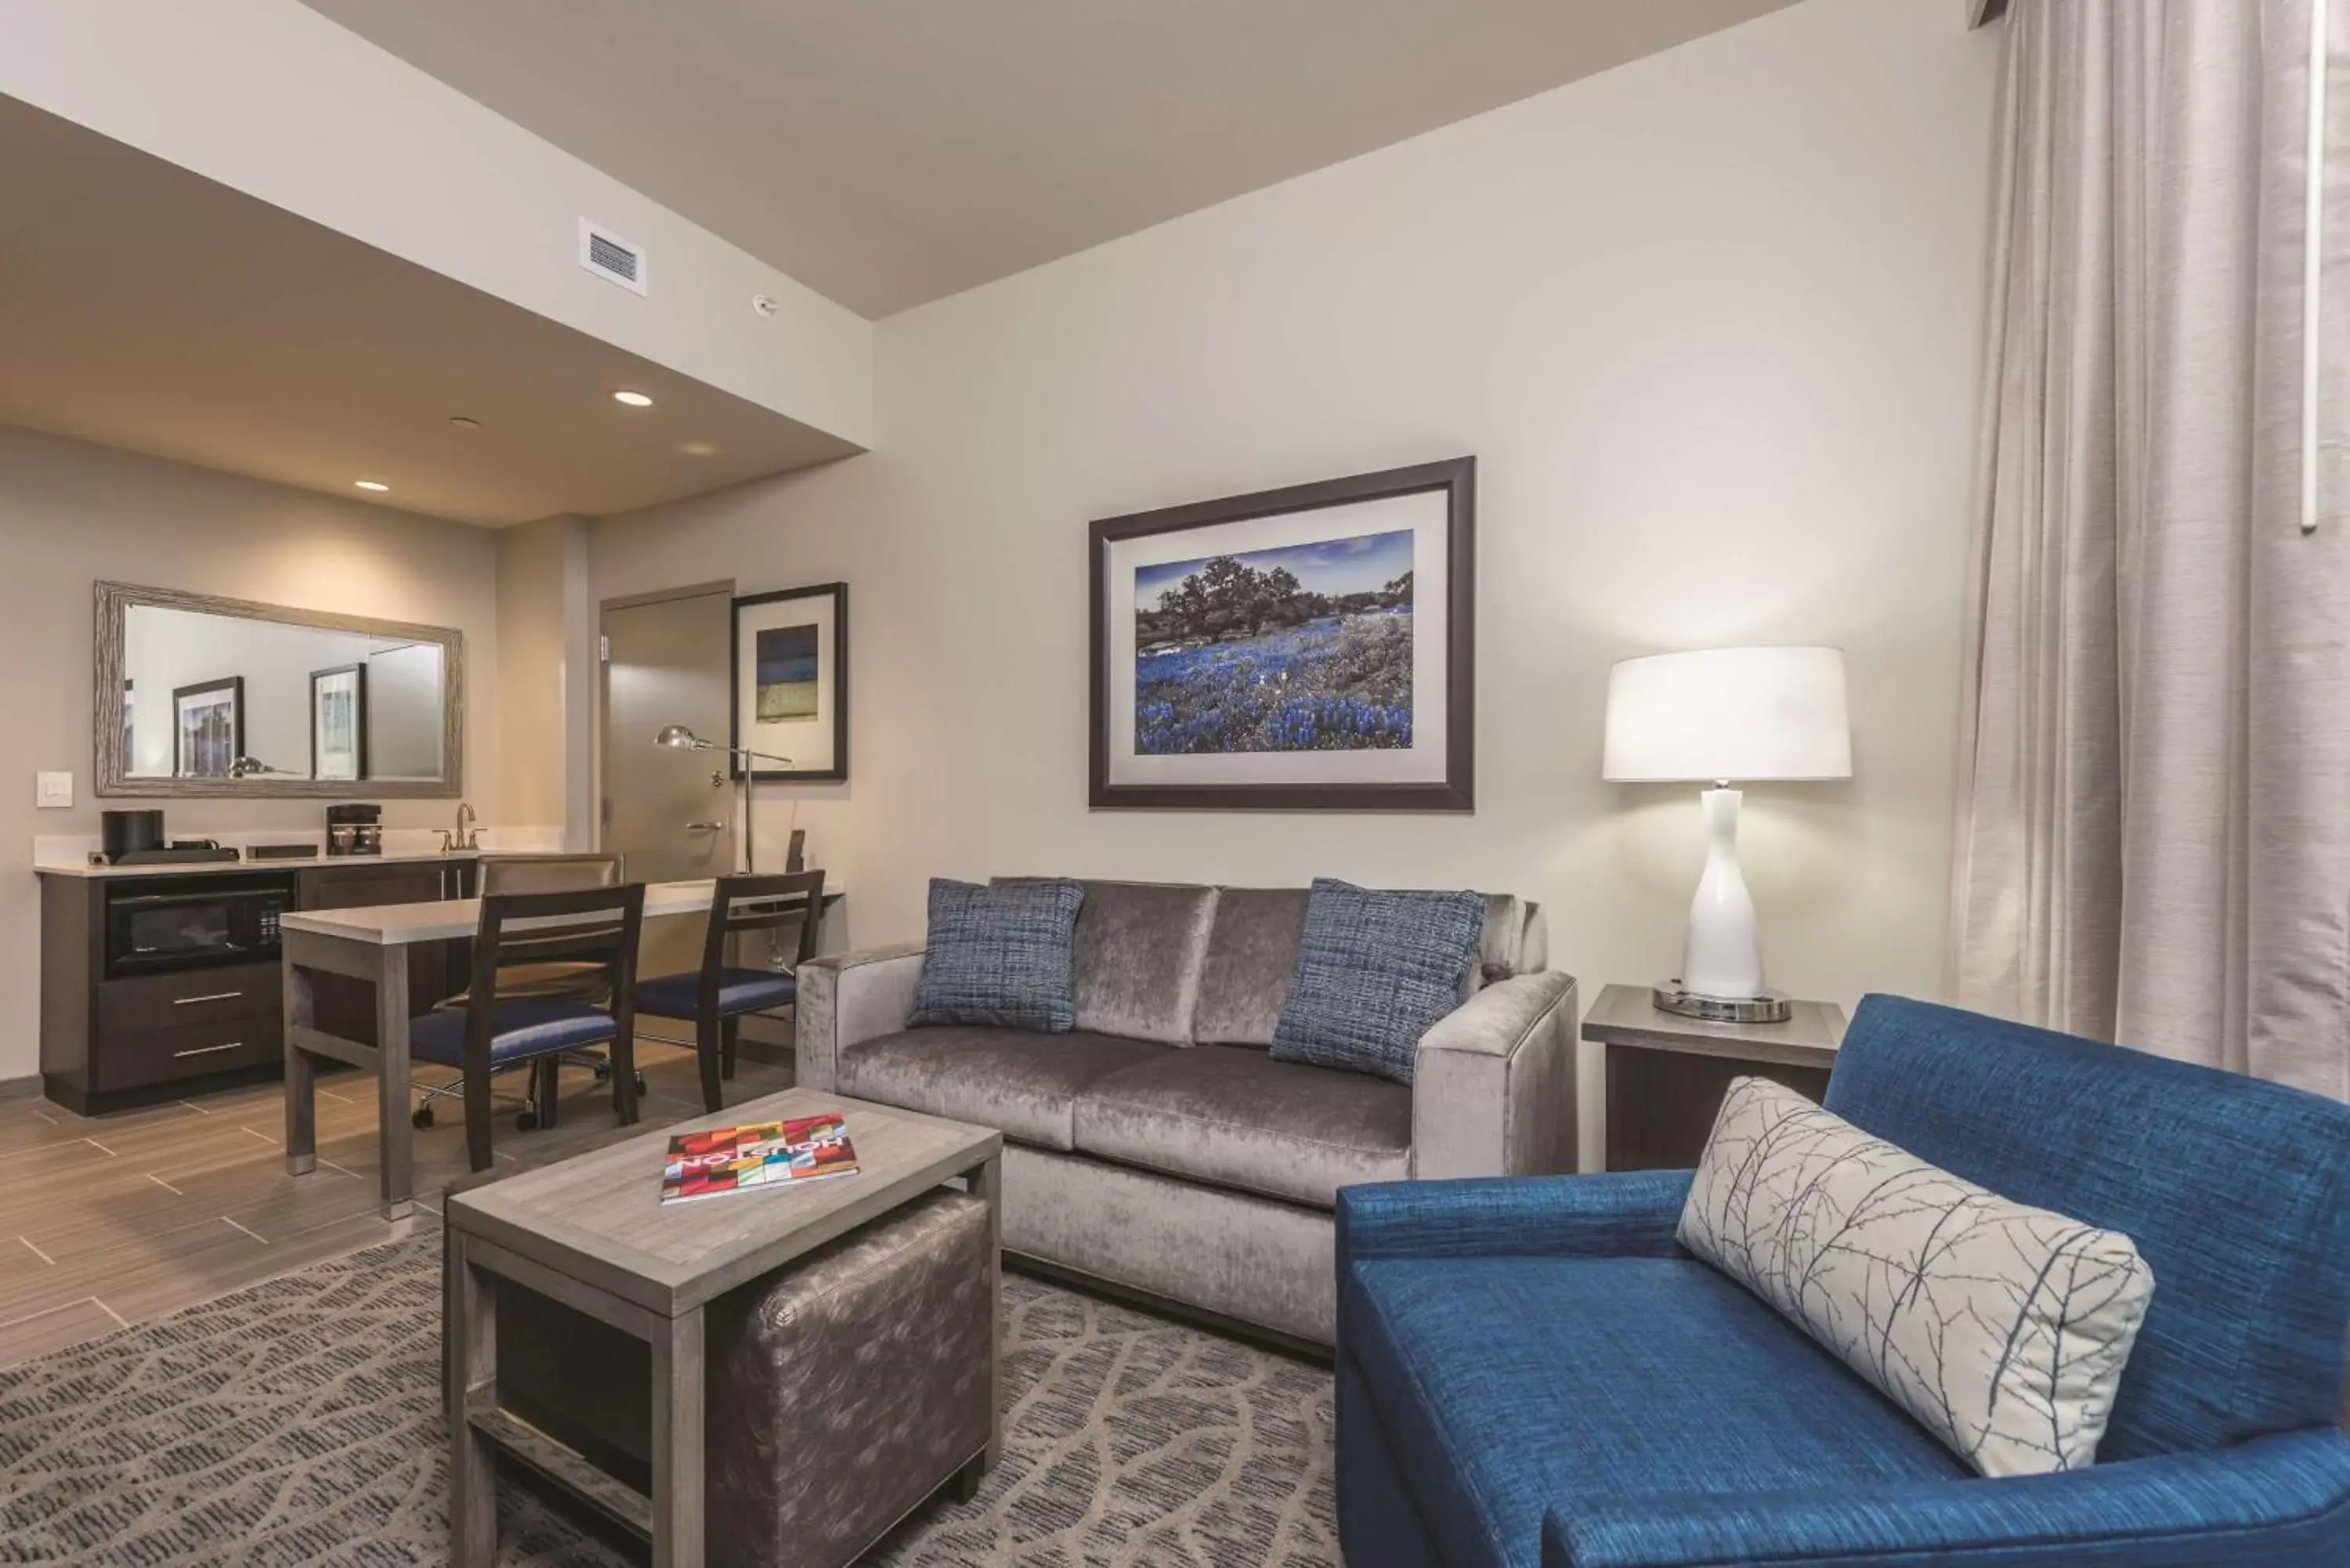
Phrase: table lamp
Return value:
(1721, 715)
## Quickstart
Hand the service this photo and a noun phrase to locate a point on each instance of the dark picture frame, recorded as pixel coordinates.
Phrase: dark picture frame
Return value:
(180, 695)
(359, 674)
(1456, 480)
(760, 705)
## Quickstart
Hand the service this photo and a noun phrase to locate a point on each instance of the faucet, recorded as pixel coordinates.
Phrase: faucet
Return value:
(466, 835)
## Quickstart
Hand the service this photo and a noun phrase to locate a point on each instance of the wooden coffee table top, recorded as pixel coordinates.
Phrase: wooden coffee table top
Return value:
(598, 1218)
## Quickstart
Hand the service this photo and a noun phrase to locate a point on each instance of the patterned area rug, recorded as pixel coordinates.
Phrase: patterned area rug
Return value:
(299, 1422)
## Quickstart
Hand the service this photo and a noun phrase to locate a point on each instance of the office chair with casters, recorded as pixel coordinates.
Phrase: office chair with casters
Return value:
(718, 995)
(491, 1033)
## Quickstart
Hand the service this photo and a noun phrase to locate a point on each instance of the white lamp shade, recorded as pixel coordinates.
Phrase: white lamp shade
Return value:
(1730, 714)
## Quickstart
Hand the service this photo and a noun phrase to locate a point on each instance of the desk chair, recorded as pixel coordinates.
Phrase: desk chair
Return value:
(717, 996)
(490, 1033)
(589, 982)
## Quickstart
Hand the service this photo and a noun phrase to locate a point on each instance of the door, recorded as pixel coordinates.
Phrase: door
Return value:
(669, 812)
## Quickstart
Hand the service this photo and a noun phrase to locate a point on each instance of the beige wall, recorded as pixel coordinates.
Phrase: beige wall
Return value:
(540, 597)
(407, 163)
(1709, 323)
(71, 513)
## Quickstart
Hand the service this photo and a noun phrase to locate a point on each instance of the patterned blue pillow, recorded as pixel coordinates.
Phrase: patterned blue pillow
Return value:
(1374, 972)
(1001, 955)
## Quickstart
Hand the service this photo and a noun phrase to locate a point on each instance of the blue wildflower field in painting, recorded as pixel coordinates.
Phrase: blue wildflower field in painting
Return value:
(1303, 649)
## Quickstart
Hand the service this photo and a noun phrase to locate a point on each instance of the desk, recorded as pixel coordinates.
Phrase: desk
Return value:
(373, 945)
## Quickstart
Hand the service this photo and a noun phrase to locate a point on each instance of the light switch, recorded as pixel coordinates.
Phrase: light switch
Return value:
(53, 789)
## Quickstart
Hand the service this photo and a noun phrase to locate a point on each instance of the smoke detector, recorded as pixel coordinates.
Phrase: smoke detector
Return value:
(610, 257)
(763, 306)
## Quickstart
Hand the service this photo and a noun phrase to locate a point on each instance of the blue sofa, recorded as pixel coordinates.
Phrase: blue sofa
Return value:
(1529, 1372)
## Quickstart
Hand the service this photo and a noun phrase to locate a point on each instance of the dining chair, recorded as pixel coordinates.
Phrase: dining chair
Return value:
(718, 994)
(589, 982)
(491, 1033)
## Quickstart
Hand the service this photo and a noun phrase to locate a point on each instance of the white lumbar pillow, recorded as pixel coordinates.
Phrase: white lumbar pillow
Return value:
(2003, 1328)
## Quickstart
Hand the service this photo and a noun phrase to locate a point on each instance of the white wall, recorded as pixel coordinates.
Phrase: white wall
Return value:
(274, 100)
(71, 514)
(1709, 323)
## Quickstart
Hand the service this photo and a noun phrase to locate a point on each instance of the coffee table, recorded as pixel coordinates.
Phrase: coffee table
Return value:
(592, 1233)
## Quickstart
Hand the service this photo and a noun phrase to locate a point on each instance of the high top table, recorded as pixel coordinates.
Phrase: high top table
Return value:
(372, 945)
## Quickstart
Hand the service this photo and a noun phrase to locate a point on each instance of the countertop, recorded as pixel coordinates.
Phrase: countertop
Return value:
(213, 868)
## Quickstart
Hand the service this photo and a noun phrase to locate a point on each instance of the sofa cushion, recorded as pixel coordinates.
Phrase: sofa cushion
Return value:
(1375, 970)
(1507, 1386)
(1140, 949)
(1233, 1115)
(2236, 1191)
(1024, 1084)
(1000, 955)
(1252, 953)
(2003, 1328)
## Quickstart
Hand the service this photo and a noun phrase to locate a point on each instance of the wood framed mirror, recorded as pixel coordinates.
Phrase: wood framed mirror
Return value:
(201, 696)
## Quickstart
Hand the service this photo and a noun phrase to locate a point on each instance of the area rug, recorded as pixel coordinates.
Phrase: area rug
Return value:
(299, 1422)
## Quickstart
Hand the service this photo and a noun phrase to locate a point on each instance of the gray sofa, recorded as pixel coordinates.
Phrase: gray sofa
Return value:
(1158, 1148)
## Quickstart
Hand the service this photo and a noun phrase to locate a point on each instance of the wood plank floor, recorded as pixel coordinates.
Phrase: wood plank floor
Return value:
(109, 1220)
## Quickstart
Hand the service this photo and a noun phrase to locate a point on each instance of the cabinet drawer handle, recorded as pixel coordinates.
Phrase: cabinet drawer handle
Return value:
(205, 1050)
(215, 996)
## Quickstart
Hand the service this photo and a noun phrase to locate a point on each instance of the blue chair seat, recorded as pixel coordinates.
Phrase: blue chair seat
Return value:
(739, 991)
(526, 1026)
(1508, 1387)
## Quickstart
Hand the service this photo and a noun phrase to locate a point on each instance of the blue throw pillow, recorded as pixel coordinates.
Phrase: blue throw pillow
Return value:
(1374, 972)
(1001, 955)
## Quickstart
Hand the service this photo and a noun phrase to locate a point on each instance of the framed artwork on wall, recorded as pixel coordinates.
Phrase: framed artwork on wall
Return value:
(339, 722)
(208, 728)
(791, 682)
(1309, 648)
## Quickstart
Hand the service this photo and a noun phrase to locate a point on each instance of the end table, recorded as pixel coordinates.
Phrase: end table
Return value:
(1667, 1073)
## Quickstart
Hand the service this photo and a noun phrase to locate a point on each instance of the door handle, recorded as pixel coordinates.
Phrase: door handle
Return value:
(705, 827)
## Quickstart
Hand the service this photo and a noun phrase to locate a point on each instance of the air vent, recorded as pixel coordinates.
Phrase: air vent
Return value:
(610, 257)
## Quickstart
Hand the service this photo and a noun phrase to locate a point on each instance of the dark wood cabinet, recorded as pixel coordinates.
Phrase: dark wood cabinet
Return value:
(110, 1044)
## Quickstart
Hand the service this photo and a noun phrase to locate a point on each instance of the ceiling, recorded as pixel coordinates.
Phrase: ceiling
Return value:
(145, 306)
(887, 152)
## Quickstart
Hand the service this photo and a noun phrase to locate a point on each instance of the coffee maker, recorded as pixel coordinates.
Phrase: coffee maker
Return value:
(355, 830)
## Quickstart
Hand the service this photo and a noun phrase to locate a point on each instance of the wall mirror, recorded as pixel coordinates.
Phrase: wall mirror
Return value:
(205, 696)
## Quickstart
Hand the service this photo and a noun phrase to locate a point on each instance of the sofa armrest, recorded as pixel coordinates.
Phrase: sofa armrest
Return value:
(2281, 1501)
(1620, 1214)
(845, 998)
(1493, 1090)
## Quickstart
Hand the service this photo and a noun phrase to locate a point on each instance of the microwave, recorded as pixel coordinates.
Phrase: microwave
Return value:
(158, 925)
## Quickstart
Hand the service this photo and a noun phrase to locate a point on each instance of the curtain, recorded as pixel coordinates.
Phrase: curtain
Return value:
(2153, 841)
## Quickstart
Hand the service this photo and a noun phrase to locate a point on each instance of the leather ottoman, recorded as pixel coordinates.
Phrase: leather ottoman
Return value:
(847, 1389)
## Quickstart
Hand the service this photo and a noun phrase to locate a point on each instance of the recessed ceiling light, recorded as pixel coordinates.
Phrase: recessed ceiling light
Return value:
(463, 423)
(697, 448)
(370, 485)
(634, 399)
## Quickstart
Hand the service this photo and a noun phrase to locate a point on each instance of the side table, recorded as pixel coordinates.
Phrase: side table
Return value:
(1667, 1073)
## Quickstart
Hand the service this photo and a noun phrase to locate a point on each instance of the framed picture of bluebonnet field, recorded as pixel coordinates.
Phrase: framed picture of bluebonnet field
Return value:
(1308, 649)
(791, 683)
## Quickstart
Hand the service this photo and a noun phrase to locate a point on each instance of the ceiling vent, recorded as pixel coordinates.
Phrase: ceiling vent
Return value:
(610, 257)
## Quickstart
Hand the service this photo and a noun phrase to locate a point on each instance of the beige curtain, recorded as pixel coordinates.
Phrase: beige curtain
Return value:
(2154, 834)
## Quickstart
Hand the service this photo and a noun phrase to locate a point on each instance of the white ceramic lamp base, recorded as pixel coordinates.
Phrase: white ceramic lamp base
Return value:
(1721, 962)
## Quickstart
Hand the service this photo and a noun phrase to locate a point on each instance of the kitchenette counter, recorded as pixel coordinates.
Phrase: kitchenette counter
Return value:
(289, 863)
